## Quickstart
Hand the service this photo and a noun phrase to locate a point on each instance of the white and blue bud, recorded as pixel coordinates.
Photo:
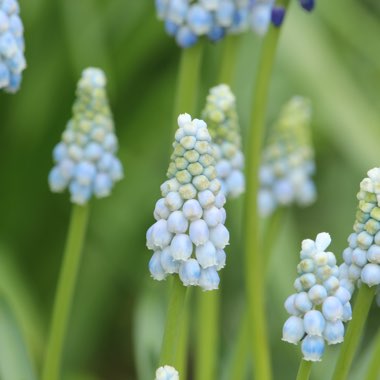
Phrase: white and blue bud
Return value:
(293, 330)
(189, 234)
(288, 160)
(314, 322)
(334, 332)
(84, 159)
(313, 348)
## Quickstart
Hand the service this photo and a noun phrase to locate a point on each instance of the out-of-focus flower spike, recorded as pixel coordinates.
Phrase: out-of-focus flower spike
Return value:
(189, 236)
(12, 59)
(288, 160)
(308, 5)
(85, 160)
(223, 124)
(362, 256)
(167, 372)
(320, 305)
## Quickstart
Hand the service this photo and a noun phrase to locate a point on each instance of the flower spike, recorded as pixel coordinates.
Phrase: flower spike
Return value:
(288, 160)
(223, 124)
(362, 256)
(321, 303)
(85, 160)
(12, 60)
(189, 235)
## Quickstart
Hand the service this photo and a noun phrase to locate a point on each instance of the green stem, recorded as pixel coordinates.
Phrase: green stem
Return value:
(173, 325)
(188, 78)
(229, 60)
(209, 303)
(183, 343)
(270, 234)
(253, 256)
(65, 292)
(240, 353)
(185, 102)
(207, 336)
(355, 328)
(373, 372)
(304, 370)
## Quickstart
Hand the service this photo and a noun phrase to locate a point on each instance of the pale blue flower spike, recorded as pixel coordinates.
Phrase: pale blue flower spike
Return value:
(321, 303)
(12, 59)
(85, 160)
(362, 256)
(222, 120)
(187, 21)
(167, 373)
(189, 236)
(288, 160)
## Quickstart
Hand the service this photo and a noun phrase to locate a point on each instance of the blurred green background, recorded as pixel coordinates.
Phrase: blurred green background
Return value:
(331, 56)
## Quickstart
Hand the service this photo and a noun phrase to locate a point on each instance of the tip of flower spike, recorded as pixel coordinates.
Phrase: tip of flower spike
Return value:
(167, 372)
(278, 15)
(183, 119)
(322, 241)
(92, 77)
(308, 5)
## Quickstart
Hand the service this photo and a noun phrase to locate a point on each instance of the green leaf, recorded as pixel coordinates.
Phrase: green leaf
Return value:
(15, 362)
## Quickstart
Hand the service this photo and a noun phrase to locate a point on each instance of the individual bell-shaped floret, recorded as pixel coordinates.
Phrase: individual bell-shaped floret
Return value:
(288, 160)
(167, 372)
(189, 235)
(223, 124)
(12, 60)
(362, 256)
(85, 160)
(321, 304)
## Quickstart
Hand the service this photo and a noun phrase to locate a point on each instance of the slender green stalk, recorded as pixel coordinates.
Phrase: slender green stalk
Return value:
(355, 328)
(174, 321)
(185, 101)
(207, 336)
(270, 233)
(183, 343)
(241, 350)
(65, 292)
(373, 372)
(229, 60)
(239, 360)
(254, 262)
(304, 370)
(207, 342)
(188, 78)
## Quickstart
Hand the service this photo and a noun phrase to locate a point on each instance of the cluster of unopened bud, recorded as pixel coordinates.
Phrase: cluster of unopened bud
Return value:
(12, 60)
(362, 256)
(223, 124)
(321, 303)
(189, 235)
(288, 160)
(85, 160)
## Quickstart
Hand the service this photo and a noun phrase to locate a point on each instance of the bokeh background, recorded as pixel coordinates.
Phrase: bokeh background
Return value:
(331, 56)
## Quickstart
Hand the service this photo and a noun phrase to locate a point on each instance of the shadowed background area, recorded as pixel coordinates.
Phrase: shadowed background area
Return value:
(331, 56)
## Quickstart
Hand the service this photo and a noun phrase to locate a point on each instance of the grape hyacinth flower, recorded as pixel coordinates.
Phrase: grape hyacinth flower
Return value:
(167, 373)
(362, 256)
(223, 124)
(12, 60)
(189, 20)
(288, 160)
(321, 303)
(189, 235)
(85, 160)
